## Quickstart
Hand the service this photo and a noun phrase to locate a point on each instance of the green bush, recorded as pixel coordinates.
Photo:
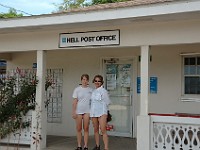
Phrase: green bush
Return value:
(17, 97)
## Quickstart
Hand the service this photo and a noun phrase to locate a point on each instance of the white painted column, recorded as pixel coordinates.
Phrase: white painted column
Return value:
(39, 116)
(143, 120)
(144, 80)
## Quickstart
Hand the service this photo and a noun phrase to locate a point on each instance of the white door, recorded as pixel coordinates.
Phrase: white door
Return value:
(118, 76)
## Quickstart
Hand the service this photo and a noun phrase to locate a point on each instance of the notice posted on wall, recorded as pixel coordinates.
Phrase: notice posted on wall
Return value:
(111, 81)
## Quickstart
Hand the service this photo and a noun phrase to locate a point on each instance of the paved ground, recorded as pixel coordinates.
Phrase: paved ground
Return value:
(69, 143)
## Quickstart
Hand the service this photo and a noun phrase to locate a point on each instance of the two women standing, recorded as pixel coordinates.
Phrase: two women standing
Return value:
(91, 103)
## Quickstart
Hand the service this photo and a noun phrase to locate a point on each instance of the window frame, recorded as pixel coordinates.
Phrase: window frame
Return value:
(188, 97)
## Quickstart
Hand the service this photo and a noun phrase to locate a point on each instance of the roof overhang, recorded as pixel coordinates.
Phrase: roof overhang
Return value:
(175, 10)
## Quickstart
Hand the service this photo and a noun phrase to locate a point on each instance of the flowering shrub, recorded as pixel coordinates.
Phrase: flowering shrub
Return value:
(17, 97)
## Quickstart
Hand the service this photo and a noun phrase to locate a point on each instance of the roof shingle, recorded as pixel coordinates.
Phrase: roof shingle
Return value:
(118, 5)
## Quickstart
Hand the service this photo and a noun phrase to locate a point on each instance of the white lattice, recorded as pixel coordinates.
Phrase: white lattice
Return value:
(176, 135)
(54, 96)
(21, 136)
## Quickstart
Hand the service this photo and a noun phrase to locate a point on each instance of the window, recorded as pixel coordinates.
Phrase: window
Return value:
(192, 75)
(54, 96)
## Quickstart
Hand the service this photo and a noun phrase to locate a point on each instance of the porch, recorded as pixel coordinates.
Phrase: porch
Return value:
(69, 143)
(167, 131)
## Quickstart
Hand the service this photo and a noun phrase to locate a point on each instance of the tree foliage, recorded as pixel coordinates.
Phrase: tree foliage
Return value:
(72, 4)
(12, 13)
(96, 2)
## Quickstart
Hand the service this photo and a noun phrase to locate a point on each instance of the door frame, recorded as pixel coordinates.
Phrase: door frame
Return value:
(134, 95)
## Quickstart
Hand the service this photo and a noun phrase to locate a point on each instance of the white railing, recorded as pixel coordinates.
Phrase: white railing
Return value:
(175, 133)
(22, 136)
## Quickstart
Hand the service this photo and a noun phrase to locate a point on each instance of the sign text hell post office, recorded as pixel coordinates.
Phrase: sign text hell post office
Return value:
(96, 38)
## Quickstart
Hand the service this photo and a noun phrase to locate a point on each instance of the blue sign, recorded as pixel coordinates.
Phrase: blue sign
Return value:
(138, 85)
(153, 85)
(2, 63)
(34, 65)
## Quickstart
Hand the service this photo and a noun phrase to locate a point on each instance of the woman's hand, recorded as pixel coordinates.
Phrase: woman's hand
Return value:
(74, 115)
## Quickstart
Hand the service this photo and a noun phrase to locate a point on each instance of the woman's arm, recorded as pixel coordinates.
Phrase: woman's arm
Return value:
(106, 97)
(74, 105)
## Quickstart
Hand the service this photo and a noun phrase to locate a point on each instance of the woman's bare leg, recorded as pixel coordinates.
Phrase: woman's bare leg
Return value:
(103, 123)
(79, 129)
(96, 130)
(86, 122)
